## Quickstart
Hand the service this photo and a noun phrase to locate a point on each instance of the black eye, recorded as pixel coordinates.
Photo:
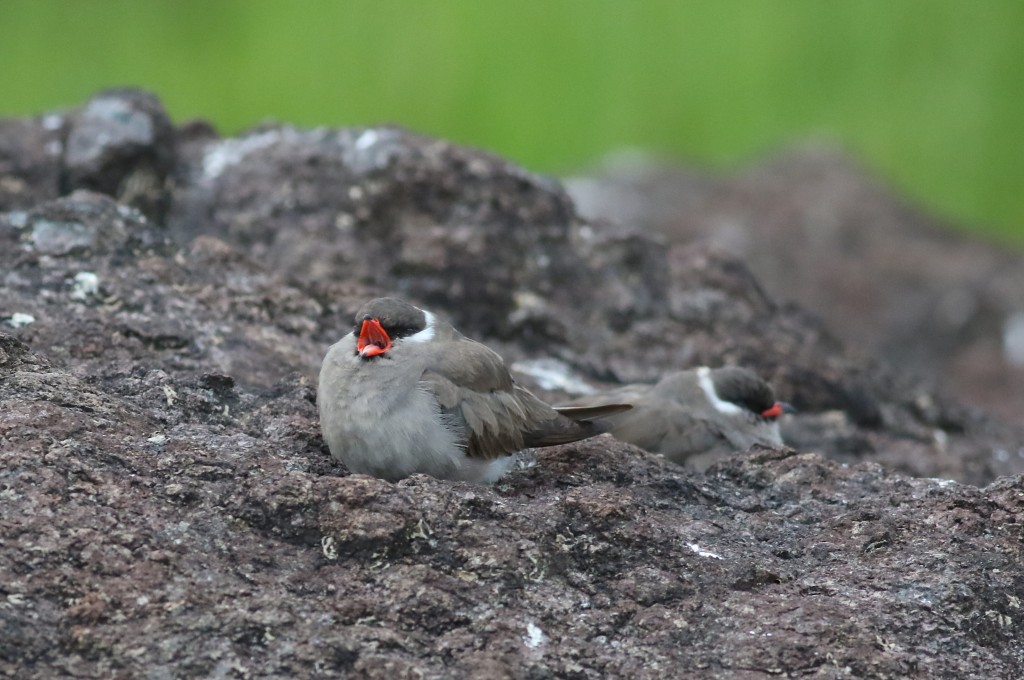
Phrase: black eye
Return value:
(400, 331)
(754, 405)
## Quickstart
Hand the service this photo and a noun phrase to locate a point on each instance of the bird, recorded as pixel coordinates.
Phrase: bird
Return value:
(697, 416)
(406, 393)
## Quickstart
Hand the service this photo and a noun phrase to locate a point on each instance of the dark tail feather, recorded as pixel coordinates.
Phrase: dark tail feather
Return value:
(589, 413)
(576, 423)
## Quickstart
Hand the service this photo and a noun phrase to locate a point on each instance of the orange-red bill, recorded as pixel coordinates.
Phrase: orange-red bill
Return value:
(373, 339)
(777, 409)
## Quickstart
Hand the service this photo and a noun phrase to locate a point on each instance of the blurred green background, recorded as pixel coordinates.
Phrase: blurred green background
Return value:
(929, 93)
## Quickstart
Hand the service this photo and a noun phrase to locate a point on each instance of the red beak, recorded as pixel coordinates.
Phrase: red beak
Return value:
(373, 339)
(777, 409)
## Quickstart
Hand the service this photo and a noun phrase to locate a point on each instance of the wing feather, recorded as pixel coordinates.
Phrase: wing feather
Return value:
(476, 392)
(581, 413)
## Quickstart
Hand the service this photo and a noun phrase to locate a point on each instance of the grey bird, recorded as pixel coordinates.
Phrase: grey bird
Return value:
(405, 392)
(698, 415)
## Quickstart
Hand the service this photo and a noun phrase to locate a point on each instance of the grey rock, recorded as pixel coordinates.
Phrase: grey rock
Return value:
(30, 160)
(121, 143)
(169, 508)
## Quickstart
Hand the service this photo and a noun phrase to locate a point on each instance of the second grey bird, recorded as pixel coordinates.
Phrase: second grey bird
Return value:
(698, 415)
(405, 392)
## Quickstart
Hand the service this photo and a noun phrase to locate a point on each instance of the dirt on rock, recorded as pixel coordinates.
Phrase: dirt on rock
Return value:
(168, 507)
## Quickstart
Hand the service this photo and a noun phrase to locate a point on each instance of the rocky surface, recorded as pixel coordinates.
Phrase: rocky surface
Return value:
(169, 508)
(818, 229)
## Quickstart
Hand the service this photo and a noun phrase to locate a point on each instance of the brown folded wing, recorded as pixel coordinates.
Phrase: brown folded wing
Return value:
(499, 417)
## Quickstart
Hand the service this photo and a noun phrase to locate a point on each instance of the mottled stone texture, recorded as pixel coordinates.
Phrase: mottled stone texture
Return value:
(168, 507)
(818, 229)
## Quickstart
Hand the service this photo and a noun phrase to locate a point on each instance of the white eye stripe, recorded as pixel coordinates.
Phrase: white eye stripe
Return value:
(722, 406)
(428, 331)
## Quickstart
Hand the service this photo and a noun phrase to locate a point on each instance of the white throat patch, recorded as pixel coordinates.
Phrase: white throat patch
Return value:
(722, 406)
(428, 331)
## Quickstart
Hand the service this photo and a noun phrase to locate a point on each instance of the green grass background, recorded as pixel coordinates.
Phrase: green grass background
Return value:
(929, 93)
